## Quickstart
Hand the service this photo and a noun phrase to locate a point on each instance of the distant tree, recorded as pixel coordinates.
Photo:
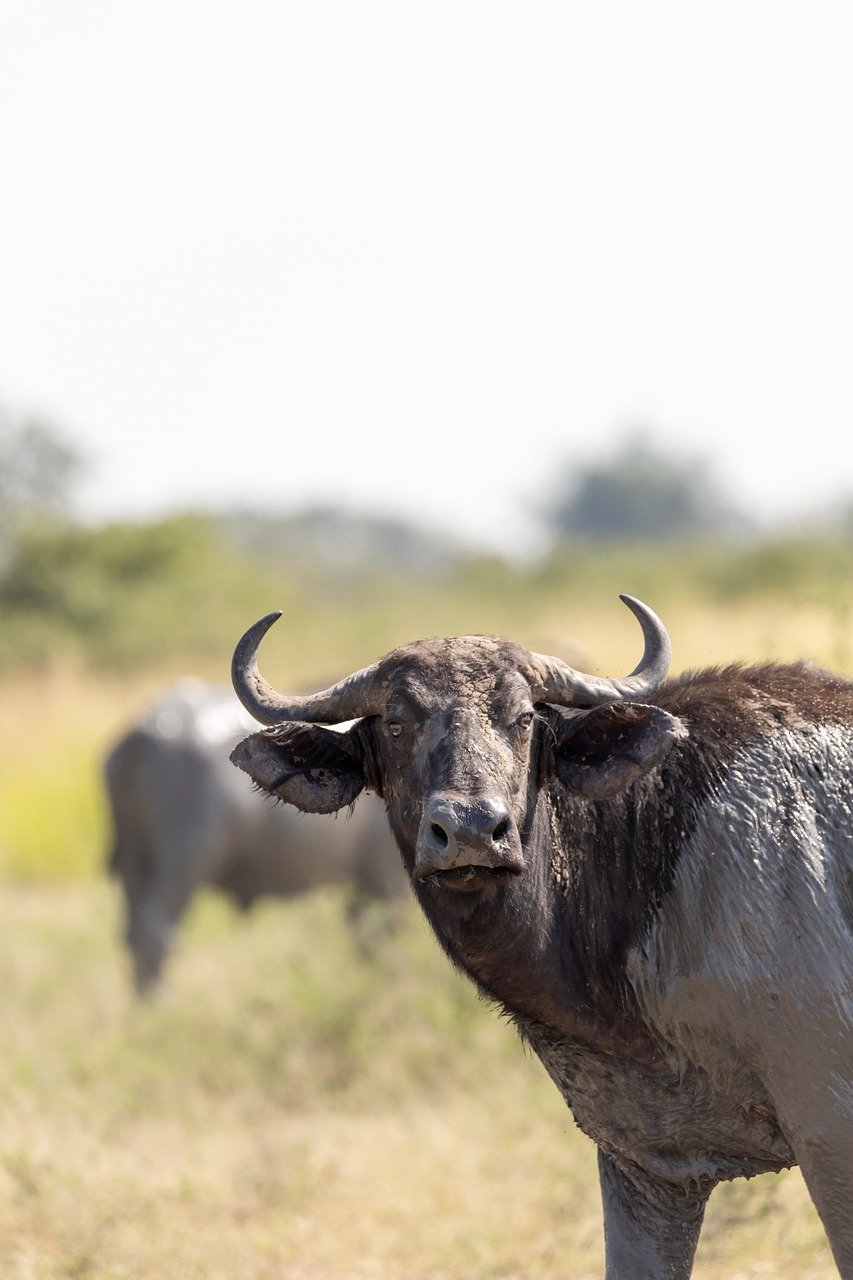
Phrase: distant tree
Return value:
(343, 542)
(641, 492)
(121, 594)
(37, 470)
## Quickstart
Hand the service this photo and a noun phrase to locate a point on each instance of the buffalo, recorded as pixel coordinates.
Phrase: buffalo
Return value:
(651, 877)
(183, 819)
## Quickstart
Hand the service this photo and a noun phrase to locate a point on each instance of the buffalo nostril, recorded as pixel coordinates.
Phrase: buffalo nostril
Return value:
(440, 834)
(501, 830)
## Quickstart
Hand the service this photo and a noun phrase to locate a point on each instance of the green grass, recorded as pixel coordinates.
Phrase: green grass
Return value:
(52, 825)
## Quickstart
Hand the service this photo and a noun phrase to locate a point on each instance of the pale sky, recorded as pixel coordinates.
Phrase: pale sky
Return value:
(411, 256)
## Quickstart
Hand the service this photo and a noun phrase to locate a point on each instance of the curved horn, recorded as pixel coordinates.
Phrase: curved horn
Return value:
(349, 699)
(562, 685)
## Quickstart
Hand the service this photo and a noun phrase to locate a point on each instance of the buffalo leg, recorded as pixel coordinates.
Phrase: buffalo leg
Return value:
(819, 1119)
(152, 921)
(828, 1173)
(149, 937)
(808, 1075)
(651, 1228)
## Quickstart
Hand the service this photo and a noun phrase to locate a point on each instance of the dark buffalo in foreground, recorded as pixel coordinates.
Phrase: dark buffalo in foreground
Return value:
(184, 819)
(651, 877)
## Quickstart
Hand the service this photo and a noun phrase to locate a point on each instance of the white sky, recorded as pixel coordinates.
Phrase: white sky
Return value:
(410, 256)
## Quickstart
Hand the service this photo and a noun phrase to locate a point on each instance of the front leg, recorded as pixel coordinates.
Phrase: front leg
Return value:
(818, 1115)
(651, 1228)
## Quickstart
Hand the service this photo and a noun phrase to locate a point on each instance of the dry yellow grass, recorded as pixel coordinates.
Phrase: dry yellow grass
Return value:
(290, 1110)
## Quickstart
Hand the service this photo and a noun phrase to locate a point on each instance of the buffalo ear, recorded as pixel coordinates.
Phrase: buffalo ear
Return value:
(315, 769)
(603, 751)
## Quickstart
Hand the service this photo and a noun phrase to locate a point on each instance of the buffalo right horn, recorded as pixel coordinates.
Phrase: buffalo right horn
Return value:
(561, 685)
(350, 699)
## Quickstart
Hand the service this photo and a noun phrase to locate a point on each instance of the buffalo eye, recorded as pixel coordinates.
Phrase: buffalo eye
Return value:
(525, 720)
(394, 728)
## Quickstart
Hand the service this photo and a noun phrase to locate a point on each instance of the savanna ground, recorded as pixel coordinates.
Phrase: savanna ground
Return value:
(291, 1108)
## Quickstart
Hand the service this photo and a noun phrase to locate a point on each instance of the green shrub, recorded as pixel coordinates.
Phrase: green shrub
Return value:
(125, 595)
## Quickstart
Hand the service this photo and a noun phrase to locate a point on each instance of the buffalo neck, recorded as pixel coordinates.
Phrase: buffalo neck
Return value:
(544, 945)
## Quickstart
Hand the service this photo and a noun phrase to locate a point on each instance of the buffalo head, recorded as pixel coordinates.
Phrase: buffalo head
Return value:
(458, 735)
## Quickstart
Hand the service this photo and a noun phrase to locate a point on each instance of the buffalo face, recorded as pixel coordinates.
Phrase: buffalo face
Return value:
(454, 751)
(458, 736)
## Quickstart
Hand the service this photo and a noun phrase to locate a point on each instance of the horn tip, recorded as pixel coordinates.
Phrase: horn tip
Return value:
(249, 641)
(263, 624)
(637, 607)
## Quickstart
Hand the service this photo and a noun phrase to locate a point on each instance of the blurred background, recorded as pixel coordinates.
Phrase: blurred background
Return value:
(407, 321)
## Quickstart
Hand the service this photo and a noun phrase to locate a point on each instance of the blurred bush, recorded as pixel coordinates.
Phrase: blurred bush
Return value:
(124, 595)
(38, 467)
(150, 595)
(641, 491)
(138, 596)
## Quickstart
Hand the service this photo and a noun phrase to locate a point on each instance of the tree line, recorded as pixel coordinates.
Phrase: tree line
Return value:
(125, 594)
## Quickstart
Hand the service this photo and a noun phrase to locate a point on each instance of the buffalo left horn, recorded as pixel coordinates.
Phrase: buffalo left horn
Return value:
(350, 699)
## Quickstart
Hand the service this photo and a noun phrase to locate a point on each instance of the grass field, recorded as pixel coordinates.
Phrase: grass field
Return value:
(290, 1109)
